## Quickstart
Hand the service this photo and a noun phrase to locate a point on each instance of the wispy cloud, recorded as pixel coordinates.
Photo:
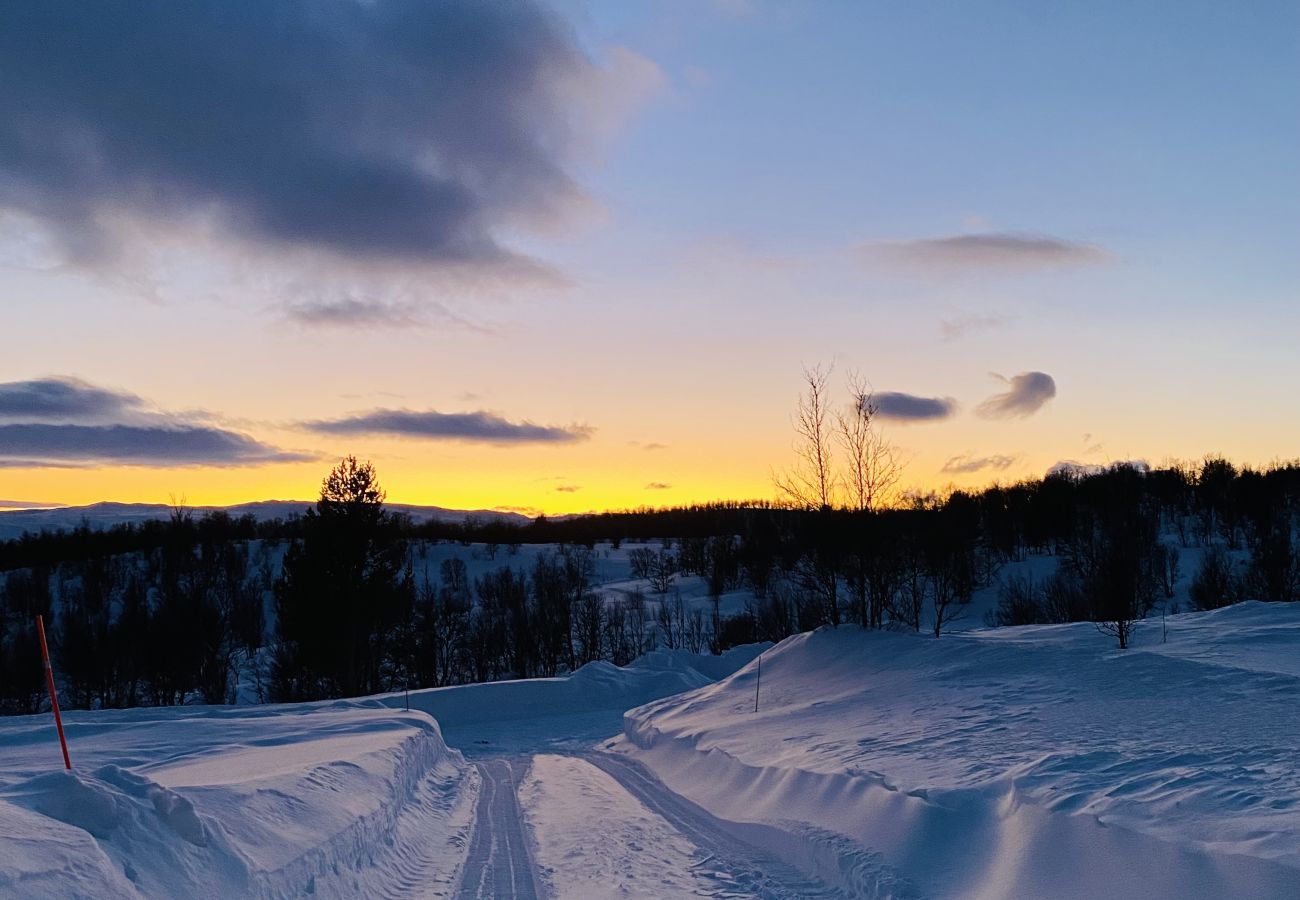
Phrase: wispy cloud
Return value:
(954, 329)
(900, 407)
(568, 488)
(1026, 394)
(531, 512)
(351, 313)
(993, 251)
(481, 427)
(657, 486)
(967, 464)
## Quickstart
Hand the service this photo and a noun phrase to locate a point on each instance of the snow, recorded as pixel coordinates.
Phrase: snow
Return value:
(216, 802)
(634, 854)
(339, 799)
(990, 763)
(1034, 761)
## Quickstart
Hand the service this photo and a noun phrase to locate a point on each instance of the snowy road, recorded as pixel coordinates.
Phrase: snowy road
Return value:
(591, 824)
(499, 864)
(740, 868)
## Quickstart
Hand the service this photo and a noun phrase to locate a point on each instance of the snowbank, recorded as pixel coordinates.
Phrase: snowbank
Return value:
(336, 799)
(1013, 762)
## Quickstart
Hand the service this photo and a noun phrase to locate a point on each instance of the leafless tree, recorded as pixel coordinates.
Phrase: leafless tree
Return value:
(811, 482)
(671, 616)
(663, 568)
(871, 467)
(637, 623)
(944, 599)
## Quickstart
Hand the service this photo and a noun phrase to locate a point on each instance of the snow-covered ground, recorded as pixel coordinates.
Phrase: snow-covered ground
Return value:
(342, 799)
(338, 799)
(1026, 762)
(1031, 762)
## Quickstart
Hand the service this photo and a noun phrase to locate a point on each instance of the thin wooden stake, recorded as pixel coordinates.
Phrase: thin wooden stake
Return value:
(54, 694)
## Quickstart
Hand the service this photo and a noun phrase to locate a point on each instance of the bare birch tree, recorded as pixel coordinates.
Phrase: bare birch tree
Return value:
(871, 467)
(811, 482)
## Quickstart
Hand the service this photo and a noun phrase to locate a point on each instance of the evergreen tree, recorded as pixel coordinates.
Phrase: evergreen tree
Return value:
(344, 591)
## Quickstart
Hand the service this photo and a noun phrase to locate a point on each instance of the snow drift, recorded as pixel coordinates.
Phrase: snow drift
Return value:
(335, 799)
(1010, 763)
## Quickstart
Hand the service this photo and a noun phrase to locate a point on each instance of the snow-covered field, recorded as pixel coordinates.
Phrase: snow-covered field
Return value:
(1033, 762)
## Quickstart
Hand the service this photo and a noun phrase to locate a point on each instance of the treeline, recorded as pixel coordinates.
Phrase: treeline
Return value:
(176, 611)
(144, 628)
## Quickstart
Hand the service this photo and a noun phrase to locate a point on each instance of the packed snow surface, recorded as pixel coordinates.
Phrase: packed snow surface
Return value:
(634, 854)
(1025, 762)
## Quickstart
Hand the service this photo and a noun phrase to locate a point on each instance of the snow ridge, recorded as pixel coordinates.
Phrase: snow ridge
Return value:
(1009, 763)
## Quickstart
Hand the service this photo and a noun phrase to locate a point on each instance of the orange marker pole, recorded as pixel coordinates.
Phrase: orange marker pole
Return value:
(54, 695)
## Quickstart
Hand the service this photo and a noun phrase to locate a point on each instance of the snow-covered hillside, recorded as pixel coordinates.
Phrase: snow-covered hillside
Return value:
(1017, 762)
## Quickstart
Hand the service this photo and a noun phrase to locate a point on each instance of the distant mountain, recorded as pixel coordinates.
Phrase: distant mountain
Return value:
(14, 523)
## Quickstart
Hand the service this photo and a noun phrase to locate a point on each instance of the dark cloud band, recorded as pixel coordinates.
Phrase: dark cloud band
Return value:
(136, 445)
(66, 422)
(61, 399)
(483, 427)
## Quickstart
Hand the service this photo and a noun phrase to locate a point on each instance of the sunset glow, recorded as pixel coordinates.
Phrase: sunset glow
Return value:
(703, 199)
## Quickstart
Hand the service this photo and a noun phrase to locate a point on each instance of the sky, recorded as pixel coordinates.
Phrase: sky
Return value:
(568, 256)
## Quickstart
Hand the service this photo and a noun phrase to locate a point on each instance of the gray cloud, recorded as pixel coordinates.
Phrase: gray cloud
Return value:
(24, 504)
(657, 486)
(568, 488)
(375, 131)
(483, 427)
(137, 445)
(62, 400)
(992, 250)
(66, 422)
(967, 464)
(1026, 394)
(902, 407)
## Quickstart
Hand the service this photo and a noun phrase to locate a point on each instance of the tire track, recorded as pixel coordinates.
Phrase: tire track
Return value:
(499, 863)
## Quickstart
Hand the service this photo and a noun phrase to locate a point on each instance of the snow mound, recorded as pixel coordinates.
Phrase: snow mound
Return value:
(1035, 761)
(596, 686)
(331, 799)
